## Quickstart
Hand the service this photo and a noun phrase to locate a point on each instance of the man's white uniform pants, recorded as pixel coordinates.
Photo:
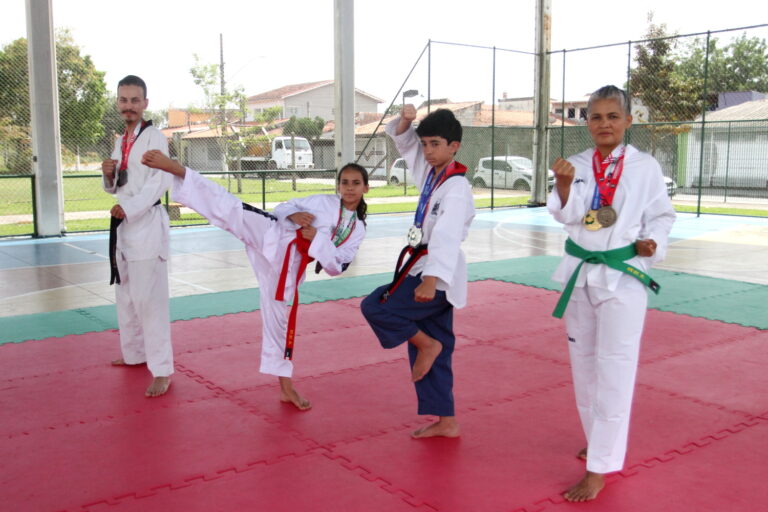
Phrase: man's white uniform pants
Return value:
(143, 314)
(604, 329)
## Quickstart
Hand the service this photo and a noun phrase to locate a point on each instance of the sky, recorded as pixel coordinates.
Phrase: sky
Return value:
(269, 44)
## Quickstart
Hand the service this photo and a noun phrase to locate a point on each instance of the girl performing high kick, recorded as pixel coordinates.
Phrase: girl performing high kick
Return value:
(325, 227)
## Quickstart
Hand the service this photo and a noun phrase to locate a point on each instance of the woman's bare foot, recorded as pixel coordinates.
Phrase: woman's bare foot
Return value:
(425, 358)
(446, 426)
(289, 395)
(587, 489)
(158, 387)
(582, 454)
(121, 362)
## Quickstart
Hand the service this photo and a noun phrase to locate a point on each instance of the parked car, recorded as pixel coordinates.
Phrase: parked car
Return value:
(398, 172)
(512, 172)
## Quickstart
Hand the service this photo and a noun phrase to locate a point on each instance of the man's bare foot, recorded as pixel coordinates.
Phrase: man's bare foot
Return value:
(289, 395)
(587, 489)
(425, 358)
(444, 427)
(158, 387)
(121, 362)
(582, 454)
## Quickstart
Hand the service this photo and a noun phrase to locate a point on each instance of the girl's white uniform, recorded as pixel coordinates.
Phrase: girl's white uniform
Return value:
(266, 240)
(604, 318)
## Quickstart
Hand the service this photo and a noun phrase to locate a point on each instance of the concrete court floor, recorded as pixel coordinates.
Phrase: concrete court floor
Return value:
(72, 272)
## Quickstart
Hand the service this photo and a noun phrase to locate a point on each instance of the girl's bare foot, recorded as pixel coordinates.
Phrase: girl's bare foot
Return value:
(289, 395)
(444, 427)
(587, 489)
(121, 362)
(158, 387)
(582, 454)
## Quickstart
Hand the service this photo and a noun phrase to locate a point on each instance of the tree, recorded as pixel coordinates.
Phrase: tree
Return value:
(304, 127)
(82, 91)
(655, 82)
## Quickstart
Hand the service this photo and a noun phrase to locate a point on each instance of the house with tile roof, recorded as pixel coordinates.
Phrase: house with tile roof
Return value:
(311, 99)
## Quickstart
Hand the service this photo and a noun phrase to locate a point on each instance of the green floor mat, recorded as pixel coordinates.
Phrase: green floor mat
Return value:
(716, 299)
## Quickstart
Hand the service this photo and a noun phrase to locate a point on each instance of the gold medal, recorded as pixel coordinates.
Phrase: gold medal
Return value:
(606, 216)
(591, 222)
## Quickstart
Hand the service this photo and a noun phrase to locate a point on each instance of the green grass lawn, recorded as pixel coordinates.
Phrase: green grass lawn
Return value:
(83, 192)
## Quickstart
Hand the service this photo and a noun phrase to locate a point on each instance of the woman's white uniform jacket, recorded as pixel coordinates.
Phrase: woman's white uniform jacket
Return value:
(266, 240)
(446, 223)
(643, 207)
(143, 234)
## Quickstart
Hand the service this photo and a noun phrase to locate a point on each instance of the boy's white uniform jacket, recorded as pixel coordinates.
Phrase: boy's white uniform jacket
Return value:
(643, 207)
(446, 222)
(143, 234)
(266, 241)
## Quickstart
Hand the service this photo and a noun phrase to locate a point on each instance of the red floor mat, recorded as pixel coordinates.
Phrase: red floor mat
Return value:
(76, 434)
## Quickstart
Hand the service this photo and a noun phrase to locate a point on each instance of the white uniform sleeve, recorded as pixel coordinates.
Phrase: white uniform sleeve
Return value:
(574, 210)
(335, 259)
(283, 210)
(408, 145)
(114, 156)
(448, 232)
(221, 208)
(658, 216)
(156, 184)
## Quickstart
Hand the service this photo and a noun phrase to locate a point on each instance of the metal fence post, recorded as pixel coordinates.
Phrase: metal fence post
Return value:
(493, 127)
(703, 120)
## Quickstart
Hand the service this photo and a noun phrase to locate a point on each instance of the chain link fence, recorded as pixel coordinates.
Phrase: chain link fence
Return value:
(698, 104)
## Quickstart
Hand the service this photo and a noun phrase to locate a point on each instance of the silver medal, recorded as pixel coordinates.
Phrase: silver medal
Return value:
(414, 236)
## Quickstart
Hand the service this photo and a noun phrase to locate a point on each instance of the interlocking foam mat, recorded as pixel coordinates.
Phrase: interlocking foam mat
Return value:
(77, 434)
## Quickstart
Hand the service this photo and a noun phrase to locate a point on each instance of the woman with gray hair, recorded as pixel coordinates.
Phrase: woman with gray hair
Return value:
(613, 204)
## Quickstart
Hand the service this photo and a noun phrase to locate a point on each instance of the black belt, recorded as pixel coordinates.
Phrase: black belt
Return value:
(401, 271)
(114, 276)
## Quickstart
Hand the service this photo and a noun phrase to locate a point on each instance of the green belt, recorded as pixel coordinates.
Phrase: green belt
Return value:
(615, 258)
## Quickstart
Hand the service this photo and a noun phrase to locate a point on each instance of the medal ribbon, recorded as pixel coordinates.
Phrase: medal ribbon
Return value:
(127, 145)
(342, 233)
(605, 181)
(432, 184)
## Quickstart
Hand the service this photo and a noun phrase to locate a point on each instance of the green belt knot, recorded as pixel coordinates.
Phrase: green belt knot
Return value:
(615, 258)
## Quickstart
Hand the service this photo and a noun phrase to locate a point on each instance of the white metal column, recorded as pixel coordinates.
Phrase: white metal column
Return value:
(344, 76)
(44, 105)
(541, 100)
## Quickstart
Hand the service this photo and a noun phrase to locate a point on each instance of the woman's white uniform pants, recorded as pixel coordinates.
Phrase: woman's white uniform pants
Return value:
(604, 329)
(143, 314)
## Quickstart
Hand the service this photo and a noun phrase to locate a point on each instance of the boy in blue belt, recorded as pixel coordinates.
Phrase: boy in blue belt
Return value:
(417, 306)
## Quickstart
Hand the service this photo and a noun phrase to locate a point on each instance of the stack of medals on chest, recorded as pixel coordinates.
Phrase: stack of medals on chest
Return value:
(607, 174)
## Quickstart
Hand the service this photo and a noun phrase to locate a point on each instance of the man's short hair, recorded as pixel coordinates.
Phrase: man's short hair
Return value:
(440, 123)
(133, 80)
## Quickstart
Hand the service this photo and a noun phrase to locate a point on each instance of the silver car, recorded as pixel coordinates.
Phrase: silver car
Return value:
(511, 172)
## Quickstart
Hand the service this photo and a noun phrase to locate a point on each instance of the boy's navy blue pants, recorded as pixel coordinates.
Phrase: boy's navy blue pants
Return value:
(399, 319)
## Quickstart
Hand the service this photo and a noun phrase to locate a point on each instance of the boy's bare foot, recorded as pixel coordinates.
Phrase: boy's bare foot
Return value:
(425, 358)
(158, 387)
(444, 427)
(587, 489)
(582, 454)
(289, 395)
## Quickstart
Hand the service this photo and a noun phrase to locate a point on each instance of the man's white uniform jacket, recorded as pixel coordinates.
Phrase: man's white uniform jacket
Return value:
(143, 234)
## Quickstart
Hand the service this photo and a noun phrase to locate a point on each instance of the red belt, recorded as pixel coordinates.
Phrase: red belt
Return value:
(415, 253)
(302, 247)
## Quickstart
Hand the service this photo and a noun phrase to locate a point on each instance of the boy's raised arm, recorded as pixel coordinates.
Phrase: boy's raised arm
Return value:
(157, 160)
(407, 116)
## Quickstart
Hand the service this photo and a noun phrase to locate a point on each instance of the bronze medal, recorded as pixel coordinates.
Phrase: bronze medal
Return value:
(606, 216)
(591, 222)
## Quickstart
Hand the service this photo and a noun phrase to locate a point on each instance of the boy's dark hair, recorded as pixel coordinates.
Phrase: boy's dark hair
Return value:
(133, 80)
(440, 123)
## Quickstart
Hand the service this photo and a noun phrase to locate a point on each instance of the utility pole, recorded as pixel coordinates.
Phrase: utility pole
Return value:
(541, 102)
